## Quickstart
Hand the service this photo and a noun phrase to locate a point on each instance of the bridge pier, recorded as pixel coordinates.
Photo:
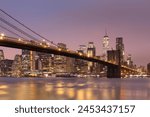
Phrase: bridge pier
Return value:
(114, 71)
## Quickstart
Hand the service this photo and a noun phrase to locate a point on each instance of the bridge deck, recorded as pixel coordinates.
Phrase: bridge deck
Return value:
(37, 46)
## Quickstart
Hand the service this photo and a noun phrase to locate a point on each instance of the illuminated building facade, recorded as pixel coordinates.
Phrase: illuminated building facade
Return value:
(91, 52)
(63, 64)
(120, 47)
(17, 66)
(28, 61)
(81, 66)
(129, 61)
(60, 61)
(98, 68)
(105, 46)
(6, 67)
(44, 62)
(25, 60)
(60, 64)
(32, 60)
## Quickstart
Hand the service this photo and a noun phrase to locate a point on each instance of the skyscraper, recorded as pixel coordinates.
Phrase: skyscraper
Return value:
(28, 61)
(105, 46)
(63, 64)
(17, 66)
(91, 52)
(113, 56)
(6, 67)
(25, 60)
(120, 47)
(81, 66)
(44, 63)
(129, 61)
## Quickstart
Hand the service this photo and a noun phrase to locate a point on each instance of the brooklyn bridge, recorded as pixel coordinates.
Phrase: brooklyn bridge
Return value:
(114, 69)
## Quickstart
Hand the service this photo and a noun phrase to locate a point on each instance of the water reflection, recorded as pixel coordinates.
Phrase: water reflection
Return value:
(79, 89)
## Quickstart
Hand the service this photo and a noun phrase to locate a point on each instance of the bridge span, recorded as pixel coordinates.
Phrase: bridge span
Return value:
(113, 70)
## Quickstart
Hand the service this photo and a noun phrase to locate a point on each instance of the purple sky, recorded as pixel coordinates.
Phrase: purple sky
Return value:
(76, 22)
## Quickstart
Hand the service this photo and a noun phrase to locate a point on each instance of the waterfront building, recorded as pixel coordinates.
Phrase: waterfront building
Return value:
(63, 64)
(38, 65)
(91, 52)
(6, 67)
(129, 61)
(44, 63)
(120, 47)
(28, 62)
(98, 68)
(60, 64)
(17, 66)
(32, 60)
(81, 66)
(25, 60)
(60, 61)
(70, 65)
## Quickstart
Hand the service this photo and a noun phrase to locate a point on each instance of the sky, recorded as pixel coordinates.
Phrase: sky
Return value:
(77, 22)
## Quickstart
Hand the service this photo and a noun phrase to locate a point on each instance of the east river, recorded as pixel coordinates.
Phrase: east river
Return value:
(74, 89)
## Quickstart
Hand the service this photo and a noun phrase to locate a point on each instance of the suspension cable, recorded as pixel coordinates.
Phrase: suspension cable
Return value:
(17, 29)
(27, 27)
(11, 31)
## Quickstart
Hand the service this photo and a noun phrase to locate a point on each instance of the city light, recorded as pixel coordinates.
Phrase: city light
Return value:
(1, 37)
(59, 49)
(88, 55)
(48, 44)
(2, 34)
(19, 39)
(80, 54)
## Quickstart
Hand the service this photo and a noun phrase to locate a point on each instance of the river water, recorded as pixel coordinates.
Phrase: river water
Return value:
(74, 89)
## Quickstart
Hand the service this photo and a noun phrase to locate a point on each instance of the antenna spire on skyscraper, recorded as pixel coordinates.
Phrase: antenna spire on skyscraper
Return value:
(106, 32)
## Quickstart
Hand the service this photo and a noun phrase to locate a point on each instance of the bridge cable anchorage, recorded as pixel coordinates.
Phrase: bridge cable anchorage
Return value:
(28, 27)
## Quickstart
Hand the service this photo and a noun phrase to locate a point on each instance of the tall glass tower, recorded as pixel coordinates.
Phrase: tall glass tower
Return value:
(91, 52)
(120, 47)
(106, 46)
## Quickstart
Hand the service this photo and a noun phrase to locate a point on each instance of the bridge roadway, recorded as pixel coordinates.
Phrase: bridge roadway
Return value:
(47, 48)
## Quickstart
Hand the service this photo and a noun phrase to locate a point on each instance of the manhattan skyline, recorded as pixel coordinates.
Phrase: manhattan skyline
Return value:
(78, 22)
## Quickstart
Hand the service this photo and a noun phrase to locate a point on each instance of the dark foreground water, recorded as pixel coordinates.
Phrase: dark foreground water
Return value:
(74, 88)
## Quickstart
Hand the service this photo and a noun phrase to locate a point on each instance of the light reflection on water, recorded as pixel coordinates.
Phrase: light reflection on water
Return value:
(74, 88)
